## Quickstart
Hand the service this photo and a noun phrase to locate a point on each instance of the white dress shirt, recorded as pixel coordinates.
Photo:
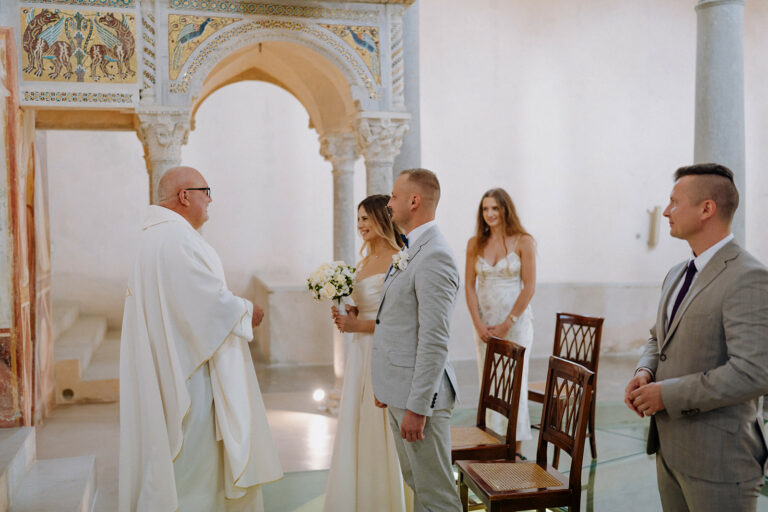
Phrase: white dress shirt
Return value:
(700, 262)
(416, 232)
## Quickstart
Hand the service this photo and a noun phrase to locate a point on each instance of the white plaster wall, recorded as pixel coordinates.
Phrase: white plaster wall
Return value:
(582, 111)
(272, 210)
(98, 193)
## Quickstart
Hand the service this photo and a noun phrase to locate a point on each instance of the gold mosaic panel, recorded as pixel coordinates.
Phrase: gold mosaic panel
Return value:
(186, 33)
(365, 41)
(78, 46)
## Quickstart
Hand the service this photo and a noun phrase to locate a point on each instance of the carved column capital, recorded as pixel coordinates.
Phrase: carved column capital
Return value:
(162, 133)
(380, 135)
(340, 149)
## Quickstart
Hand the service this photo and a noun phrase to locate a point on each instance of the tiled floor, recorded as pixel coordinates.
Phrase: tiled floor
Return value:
(622, 479)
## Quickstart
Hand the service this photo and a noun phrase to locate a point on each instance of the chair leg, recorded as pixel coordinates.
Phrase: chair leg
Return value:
(591, 428)
(463, 493)
(575, 503)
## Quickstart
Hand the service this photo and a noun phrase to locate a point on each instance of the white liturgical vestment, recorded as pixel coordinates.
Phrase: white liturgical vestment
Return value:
(193, 429)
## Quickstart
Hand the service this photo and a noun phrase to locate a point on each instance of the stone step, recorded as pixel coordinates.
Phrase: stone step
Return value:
(81, 340)
(105, 363)
(61, 485)
(73, 353)
(100, 381)
(17, 454)
(63, 314)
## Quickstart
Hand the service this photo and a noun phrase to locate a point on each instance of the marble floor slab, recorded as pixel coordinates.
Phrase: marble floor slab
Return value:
(623, 478)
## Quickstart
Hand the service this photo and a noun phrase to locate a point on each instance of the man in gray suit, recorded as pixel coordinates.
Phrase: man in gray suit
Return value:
(409, 362)
(705, 365)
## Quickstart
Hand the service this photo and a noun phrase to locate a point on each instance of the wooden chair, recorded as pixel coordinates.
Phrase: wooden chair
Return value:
(500, 392)
(505, 485)
(577, 339)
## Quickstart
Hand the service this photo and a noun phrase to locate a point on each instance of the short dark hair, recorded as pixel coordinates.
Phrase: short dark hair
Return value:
(426, 181)
(716, 183)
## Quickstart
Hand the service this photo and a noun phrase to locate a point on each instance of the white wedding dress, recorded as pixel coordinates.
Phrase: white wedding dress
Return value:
(365, 472)
(498, 287)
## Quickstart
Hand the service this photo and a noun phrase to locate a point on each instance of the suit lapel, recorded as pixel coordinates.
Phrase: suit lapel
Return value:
(666, 296)
(708, 274)
(423, 240)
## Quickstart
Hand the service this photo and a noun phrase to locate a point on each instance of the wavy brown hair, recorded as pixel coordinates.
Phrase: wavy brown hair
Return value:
(376, 208)
(510, 222)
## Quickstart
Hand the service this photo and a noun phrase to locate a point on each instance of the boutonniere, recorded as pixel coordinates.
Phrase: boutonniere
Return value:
(400, 260)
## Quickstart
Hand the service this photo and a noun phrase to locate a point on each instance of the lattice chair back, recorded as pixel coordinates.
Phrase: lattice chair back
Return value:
(502, 378)
(577, 339)
(565, 413)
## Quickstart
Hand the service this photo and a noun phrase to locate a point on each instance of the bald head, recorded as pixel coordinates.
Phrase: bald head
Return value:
(175, 180)
(183, 190)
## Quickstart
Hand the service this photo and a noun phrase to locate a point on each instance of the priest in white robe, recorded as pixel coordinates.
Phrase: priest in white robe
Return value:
(193, 429)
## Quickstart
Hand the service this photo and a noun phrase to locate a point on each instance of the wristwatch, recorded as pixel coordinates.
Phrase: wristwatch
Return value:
(513, 318)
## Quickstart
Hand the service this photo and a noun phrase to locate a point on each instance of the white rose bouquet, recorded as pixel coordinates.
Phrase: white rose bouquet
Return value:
(334, 281)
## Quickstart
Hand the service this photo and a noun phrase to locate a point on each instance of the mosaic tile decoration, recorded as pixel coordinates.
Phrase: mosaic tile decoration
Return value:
(322, 35)
(295, 11)
(186, 33)
(148, 49)
(78, 97)
(86, 3)
(78, 46)
(365, 41)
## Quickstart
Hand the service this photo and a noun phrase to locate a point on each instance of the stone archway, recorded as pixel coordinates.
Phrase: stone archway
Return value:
(325, 92)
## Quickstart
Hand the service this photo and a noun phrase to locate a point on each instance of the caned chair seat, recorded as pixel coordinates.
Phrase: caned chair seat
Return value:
(537, 387)
(500, 392)
(465, 437)
(514, 476)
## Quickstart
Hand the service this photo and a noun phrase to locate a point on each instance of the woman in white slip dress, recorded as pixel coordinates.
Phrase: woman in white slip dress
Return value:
(500, 282)
(365, 472)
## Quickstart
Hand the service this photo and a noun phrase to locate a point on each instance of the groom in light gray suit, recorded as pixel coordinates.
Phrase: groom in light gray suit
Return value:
(409, 362)
(705, 365)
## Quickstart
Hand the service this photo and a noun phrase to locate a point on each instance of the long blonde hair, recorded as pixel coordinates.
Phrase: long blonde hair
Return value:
(510, 222)
(376, 208)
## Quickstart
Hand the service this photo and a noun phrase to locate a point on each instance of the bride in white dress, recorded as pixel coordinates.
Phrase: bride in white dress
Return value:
(365, 472)
(500, 282)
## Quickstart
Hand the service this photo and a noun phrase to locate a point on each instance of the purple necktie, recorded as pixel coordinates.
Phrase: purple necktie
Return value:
(686, 285)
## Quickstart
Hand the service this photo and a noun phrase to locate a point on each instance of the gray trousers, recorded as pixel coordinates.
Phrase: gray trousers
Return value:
(684, 493)
(426, 464)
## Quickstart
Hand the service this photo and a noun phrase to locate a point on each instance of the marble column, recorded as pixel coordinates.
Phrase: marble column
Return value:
(410, 152)
(379, 137)
(719, 135)
(162, 132)
(340, 149)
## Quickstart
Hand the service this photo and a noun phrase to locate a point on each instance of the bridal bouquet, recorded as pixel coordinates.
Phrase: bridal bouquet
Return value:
(333, 281)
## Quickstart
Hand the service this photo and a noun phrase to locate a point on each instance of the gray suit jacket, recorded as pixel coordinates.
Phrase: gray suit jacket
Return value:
(712, 363)
(409, 360)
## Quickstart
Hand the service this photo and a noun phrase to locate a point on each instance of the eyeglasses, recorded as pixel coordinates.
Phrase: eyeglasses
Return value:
(207, 190)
